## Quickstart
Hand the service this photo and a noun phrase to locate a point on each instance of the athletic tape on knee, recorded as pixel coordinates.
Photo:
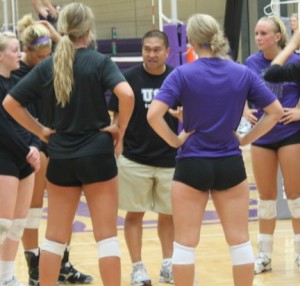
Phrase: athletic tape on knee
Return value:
(294, 207)
(5, 225)
(183, 255)
(17, 228)
(242, 254)
(267, 209)
(109, 247)
(53, 247)
(34, 218)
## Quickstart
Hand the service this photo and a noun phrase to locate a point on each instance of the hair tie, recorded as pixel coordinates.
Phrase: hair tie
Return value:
(40, 40)
(206, 45)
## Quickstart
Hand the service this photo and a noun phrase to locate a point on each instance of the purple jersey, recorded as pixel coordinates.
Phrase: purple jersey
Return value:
(288, 93)
(213, 93)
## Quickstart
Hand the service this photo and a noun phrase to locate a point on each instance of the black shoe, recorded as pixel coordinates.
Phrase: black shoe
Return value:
(33, 268)
(69, 275)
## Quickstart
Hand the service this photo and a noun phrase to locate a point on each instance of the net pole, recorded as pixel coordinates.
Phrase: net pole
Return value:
(173, 11)
(276, 8)
(160, 15)
(153, 14)
(5, 16)
(17, 11)
(13, 15)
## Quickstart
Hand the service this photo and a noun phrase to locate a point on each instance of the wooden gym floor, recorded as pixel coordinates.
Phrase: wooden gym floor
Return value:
(213, 266)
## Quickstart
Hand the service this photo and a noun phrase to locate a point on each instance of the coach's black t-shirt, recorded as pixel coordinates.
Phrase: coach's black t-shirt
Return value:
(141, 143)
(77, 124)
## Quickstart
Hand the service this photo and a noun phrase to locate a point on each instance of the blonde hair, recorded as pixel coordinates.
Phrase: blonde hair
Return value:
(75, 21)
(4, 36)
(204, 30)
(33, 35)
(278, 27)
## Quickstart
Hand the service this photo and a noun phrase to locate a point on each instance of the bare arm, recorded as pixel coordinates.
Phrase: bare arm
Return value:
(293, 44)
(249, 114)
(177, 113)
(126, 103)
(120, 120)
(55, 36)
(51, 8)
(39, 8)
(273, 113)
(23, 117)
(290, 115)
(156, 120)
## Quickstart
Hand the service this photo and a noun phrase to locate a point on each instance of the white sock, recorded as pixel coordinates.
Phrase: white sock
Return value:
(34, 250)
(265, 242)
(297, 243)
(137, 263)
(167, 261)
(6, 270)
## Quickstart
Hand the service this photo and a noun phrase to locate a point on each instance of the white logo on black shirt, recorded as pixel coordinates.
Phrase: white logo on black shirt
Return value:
(148, 95)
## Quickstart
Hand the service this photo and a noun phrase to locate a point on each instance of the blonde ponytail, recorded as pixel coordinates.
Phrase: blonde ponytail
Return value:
(75, 21)
(63, 77)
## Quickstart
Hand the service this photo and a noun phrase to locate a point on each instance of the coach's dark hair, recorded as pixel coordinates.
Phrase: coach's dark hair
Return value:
(156, 34)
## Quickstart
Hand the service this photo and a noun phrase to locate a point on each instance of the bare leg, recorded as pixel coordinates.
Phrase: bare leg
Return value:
(15, 207)
(30, 236)
(188, 210)
(102, 199)
(265, 168)
(133, 232)
(166, 234)
(62, 206)
(289, 162)
(235, 225)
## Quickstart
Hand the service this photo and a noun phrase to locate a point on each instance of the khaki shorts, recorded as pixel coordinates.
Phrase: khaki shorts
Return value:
(143, 187)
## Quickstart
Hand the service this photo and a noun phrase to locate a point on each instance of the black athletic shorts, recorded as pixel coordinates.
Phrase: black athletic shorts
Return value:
(82, 170)
(11, 166)
(206, 174)
(294, 139)
(44, 148)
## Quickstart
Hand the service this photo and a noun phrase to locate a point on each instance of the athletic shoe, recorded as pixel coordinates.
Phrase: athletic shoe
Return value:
(33, 268)
(139, 276)
(262, 264)
(166, 274)
(69, 275)
(13, 282)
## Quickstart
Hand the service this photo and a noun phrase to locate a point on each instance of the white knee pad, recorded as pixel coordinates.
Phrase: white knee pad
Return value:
(53, 247)
(34, 218)
(109, 247)
(294, 207)
(5, 225)
(242, 254)
(267, 209)
(183, 255)
(17, 228)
